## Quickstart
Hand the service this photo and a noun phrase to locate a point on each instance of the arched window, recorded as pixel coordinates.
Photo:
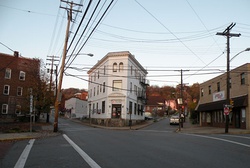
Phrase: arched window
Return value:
(120, 67)
(115, 67)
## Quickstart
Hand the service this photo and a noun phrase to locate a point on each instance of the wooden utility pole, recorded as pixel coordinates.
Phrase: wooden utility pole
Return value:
(228, 35)
(52, 59)
(181, 102)
(58, 98)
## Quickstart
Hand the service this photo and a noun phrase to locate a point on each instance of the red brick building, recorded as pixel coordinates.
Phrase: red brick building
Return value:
(18, 76)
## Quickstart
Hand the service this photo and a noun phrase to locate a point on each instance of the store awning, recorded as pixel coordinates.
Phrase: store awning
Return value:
(241, 101)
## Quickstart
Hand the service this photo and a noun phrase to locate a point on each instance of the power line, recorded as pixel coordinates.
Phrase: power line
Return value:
(170, 32)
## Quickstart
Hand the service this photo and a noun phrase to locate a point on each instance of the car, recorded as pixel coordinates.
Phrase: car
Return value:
(148, 116)
(174, 119)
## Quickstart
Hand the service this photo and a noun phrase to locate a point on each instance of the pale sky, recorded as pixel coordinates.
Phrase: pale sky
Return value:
(164, 35)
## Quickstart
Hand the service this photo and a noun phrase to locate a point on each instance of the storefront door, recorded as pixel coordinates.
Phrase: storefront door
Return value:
(116, 111)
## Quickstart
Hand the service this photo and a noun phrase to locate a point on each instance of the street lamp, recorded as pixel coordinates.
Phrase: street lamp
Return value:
(58, 98)
(88, 54)
(228, 84)
(247, 49)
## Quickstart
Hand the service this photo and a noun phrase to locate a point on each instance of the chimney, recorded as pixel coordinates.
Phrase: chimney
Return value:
(16, 54)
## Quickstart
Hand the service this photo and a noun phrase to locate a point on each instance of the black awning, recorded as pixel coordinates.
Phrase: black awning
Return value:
(241, 101)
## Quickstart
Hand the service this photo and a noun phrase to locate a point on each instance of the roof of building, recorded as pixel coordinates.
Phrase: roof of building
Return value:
(155, 100)
(117, 54)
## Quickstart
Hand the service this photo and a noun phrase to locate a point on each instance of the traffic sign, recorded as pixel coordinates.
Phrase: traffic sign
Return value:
(226, 110)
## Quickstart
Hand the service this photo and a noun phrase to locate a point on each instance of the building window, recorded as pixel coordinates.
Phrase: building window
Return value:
(4, 108)
(103, 106)
(8, 73)
(130, 87)
(94, 91)
(209, 89)
(6, 89)
(104, 70)
(131, 70)
(98, 74)
(202, 92)
(100, 88)
(130, 107)
(97, 89)
(135, 89)
(135, 105)
(97, 110)
(93, 107)
(138, 109)
(117, 85)
(103, 87)
(19, 91)
(22, 75)
(115, 67)
(18, 109)
(218, 86)
(120, 67)
(243, 78)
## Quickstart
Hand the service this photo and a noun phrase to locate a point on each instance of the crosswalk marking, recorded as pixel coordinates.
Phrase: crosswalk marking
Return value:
(22, 159)
(84, 155)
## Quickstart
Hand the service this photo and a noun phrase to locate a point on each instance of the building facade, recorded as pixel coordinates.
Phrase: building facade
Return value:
(117, 90)
(213, 98)
(76, 108)
(18, 76)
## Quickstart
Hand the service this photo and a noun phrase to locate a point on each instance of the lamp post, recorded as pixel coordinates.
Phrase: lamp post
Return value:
(228, 85)
(88, 54)
(247, 49)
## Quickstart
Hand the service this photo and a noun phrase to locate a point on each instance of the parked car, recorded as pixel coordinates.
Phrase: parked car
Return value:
(174, 119)
(148, 116)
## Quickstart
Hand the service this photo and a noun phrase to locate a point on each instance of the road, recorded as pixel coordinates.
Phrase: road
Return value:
(154, 146)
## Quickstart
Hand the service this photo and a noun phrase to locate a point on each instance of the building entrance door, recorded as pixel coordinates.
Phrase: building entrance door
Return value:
(116, 111)
(237, 119)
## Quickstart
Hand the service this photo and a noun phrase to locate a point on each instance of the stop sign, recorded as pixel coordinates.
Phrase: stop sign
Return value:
(226, 111)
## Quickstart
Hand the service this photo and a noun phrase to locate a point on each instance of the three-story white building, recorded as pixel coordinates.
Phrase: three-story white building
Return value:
(117, 90)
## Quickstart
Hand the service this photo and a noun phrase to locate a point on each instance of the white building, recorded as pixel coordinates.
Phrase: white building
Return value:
(76, 108)
(117, 90)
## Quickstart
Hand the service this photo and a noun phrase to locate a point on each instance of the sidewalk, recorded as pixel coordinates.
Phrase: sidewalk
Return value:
(45, 131)
(187, 128)
(196, 129)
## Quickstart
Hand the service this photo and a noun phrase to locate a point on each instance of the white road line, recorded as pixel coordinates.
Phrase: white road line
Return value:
(22, 159)
(237, 136)
(220, 139)
(90, 161)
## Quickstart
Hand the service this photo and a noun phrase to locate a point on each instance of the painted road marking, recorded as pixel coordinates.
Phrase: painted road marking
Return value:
(22, 159)
(220, 139)
(84, 155)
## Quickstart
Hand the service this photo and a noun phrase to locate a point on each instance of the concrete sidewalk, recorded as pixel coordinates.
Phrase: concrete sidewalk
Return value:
(44, 132)
(187, 128)
(196, 129)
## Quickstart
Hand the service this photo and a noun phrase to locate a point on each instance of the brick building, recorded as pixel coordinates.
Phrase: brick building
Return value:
(18, 75)
(213, 98)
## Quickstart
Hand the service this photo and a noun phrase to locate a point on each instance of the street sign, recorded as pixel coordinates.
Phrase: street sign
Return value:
(226, 110)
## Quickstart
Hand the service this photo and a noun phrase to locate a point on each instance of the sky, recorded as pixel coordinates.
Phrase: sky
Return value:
(165, 36)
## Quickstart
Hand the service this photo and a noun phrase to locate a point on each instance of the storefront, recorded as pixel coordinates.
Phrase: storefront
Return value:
(212, 114)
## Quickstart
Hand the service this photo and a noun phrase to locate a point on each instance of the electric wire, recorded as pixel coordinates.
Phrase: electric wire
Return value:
(170, 32)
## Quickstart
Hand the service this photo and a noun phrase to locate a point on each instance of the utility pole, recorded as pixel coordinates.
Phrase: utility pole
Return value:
(51, 70)
(181, 102)
(58, 98)
(228, 35)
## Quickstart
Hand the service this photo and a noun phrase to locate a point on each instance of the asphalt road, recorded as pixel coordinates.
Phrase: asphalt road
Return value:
(154, 146)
